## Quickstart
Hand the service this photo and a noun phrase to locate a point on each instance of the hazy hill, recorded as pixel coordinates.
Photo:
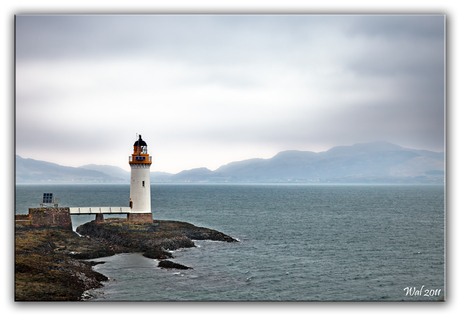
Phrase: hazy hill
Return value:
(377, 162)
(36, 171)
(199, 175)
(370, 162)
(118, 172)
(109, 170)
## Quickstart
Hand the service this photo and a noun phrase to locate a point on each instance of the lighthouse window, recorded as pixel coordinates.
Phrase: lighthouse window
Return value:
(143, 184)
(143, 149)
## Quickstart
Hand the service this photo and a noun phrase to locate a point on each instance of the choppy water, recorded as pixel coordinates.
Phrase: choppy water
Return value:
(297, 242)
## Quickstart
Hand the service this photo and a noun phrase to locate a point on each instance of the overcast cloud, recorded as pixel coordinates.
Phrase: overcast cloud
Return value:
(205, 90)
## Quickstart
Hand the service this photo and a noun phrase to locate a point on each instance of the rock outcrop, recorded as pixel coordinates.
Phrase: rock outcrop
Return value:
(47, 265)
(152, 239)
(46, 270)
(166, 264)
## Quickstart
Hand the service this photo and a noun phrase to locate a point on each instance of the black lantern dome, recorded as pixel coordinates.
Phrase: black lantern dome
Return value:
(140, 142)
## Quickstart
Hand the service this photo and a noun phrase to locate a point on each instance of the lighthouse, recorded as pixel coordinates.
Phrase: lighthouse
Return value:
(139, 193)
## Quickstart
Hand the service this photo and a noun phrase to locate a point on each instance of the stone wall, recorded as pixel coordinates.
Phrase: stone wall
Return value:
(140, 218)
(50, 217)
(100, 218)
(22, 219)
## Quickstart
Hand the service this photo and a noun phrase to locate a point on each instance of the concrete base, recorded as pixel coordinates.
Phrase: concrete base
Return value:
(139, 218)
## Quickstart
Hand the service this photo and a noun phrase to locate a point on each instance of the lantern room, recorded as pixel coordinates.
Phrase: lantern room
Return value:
(140, 154)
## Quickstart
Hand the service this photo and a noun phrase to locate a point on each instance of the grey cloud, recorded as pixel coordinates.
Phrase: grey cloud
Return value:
(402, 56)
(198, 38)
(408, 27)
(409, 118)
(411, 45)
(83, 36)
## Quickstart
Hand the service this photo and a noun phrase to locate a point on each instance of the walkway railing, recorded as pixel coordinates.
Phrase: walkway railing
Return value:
(100, 210)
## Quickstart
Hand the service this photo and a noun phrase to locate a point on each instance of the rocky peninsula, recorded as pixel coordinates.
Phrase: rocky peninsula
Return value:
(49, 265)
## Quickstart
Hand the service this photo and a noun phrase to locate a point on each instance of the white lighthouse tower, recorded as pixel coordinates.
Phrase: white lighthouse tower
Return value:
(139, 200)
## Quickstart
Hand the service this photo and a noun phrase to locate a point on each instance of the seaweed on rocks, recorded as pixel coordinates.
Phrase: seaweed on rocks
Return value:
(46, 271)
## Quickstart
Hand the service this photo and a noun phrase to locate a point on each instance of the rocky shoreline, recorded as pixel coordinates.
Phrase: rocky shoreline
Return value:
(49, 265)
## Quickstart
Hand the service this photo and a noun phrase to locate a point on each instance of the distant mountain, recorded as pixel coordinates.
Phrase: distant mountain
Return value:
(195, 175)
(112, 171)
(377, 162)
(36, 171)
(159, 177)
(117, 172)
(198, 175)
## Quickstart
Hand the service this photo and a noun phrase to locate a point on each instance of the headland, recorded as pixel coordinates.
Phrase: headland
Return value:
(49, 263)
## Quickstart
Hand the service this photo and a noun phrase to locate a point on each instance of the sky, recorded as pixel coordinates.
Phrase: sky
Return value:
(206, 90)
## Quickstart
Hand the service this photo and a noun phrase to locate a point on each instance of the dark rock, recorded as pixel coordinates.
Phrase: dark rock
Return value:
(166, 264)
(150, 238)
(191, 231)
(95, 263)
(157, 253)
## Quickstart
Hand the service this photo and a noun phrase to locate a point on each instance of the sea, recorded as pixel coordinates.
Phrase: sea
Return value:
(305, 242)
